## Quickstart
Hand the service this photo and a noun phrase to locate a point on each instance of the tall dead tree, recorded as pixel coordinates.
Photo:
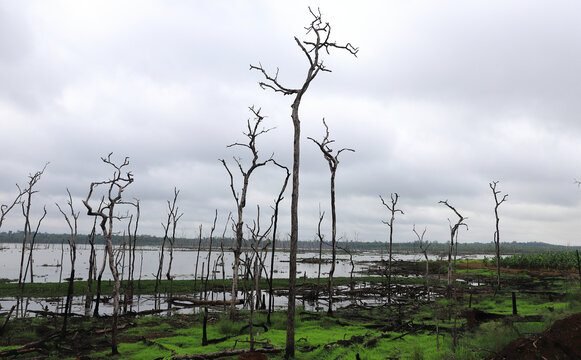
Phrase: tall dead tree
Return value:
(26, 205)
(114, 188)
(274, 232)
(392, 210)
(92, 268)
(333, 162)
(132, 246)
(72, 254)
(424, 245)
(254, 130)
(313, 50)
(453, 235)
(257, 237)
(497, 203)
(321, 238)
(173, 218)
(208, 259)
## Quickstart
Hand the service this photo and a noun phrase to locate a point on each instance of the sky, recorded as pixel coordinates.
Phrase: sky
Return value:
(443, 98)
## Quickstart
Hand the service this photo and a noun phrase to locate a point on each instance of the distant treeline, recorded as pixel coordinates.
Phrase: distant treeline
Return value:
(381, 247)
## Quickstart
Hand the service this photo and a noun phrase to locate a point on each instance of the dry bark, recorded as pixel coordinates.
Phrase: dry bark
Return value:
(321, 32)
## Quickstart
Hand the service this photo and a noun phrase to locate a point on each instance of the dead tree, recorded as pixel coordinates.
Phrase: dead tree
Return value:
(313, 51)
(92, 268)
(29, 262)
(254, 130)
(497, 203)
(333, 162)
(256, 262)
(424, 245)
(205, 320)
(274, 231)
(173, 218)
(5, 208)
(453, 234)
(392, 210)
(132, 245)
(350, 253)
(321, 238)
(26, 204)
(72, 254)
(221, 258)
(198, 258)
(106, 212)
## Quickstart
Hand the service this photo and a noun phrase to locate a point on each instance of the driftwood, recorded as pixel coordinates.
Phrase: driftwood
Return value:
(220, 354)
(190, 301)
(52, 313)
(144, 312)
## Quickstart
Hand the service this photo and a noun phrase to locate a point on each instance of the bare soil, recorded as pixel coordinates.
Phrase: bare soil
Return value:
(561, 341)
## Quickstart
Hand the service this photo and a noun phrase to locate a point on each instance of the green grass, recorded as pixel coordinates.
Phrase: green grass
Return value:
(163, 336)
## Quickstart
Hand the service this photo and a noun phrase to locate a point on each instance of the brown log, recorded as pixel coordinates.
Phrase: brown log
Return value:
(220, 354)
(198, 302)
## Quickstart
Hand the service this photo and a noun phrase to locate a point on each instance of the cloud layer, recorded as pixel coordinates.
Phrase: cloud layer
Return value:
(442, 99)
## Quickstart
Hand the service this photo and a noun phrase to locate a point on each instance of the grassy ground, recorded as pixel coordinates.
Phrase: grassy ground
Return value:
(414, 330)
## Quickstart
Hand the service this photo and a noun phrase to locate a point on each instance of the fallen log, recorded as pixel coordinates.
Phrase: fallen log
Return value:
(144, 312)
(52, 313)
(7, 318)
(220, 354)
(373, 341)
(189, 301)
(107, 330)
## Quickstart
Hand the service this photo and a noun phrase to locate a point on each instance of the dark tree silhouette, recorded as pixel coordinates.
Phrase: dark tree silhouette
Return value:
(333, 162)
(392, 210)
(313, 51)
(106, 212)
(497, 203)
(254, 131)
(73, 255)
(453, 235)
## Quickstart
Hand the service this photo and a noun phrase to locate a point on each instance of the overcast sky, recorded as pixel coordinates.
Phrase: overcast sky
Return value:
(443, 98)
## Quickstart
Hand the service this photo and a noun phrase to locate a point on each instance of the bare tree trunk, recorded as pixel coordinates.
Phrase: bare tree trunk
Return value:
(115, 273)
(453, 231)
(30, 262)
(392, 209)
(134, 244)
(99, 277)
(333, 162)
(252, 135)
(274, 233)
(198, 258)
(497, 229)
(205, 321)
(321, 32)
(33, 180)
(106, 212)
(73, 257)
(92, 269)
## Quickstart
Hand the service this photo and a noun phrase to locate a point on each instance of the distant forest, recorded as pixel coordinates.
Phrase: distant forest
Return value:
(398, 247)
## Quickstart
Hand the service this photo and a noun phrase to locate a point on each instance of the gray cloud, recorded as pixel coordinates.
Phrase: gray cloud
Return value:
(442, 99)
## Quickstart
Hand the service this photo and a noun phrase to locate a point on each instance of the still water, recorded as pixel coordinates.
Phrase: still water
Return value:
(47, 262)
